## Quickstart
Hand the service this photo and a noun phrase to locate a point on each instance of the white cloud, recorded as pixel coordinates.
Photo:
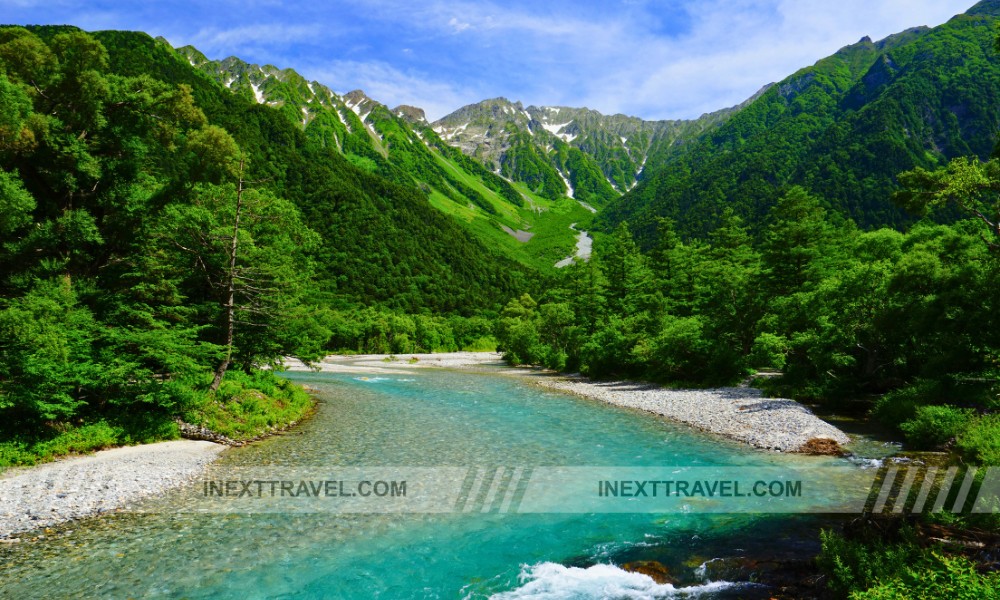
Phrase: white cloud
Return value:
(458, 26)
(213, 39)
(732, 49)
(393, 87)
(650, 58)
(618, 60)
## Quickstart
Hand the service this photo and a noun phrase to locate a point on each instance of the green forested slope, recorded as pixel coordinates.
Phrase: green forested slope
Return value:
(399, 146)
(162, 239)
(843, 129)
(381, 241)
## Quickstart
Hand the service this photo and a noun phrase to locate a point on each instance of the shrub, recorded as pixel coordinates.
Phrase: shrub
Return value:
(980, 442)
(61, 439)
(769, 351)
(936, 576)
(934, 426)
(249, 405)
(876, 570)
(680, 351)
(901, 405)
(854, 566)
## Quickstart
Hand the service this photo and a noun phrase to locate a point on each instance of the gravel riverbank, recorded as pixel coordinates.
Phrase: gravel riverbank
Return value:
(73, 488)
(739, 413)
(374, 364)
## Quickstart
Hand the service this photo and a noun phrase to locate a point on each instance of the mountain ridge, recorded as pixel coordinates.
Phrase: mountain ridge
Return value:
(636, 170)
(842, 128)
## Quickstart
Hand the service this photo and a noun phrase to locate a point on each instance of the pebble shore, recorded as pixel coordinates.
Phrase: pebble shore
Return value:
(740, 413)
(73, 488)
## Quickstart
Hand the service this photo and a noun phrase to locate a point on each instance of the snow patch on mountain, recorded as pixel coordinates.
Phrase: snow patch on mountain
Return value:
(257, 94)
(449, 134)
(569, 186)
(639, 172)
(340, 116)
(554, 129)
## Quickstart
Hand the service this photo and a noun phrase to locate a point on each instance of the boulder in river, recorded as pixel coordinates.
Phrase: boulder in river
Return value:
(653, 569)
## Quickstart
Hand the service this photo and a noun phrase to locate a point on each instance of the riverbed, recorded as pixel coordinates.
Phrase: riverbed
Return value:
(482, 423)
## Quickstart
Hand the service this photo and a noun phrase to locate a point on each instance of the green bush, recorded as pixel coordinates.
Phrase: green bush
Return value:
(769, 351)
(680, 351)
(901, 405)
(854, 566)
(936, 576)
(87, 438)
(980, 442)
(61, 440)
(609, 351)
(250, 405)
(934, 426)
(876, 570)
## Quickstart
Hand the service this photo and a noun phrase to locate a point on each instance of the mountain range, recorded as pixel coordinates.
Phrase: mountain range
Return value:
(521, 182)
(842, 128)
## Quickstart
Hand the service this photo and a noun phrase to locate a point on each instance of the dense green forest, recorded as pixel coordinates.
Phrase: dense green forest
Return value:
(842, 313)
(164, 239)
(900, 324)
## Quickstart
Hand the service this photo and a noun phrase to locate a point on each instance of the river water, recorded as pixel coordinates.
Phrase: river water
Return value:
(425, 418)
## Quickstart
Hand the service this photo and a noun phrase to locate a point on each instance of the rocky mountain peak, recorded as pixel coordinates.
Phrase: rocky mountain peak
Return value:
(410, 113)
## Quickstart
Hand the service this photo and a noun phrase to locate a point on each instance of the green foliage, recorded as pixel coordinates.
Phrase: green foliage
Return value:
(517, 332)
(854, 565)
(272, 270)
(933, 426)
(980, 441)
(47, 444)
(901, 405)
(680, 352)
(247, 406)
(769, 351)
(843, 129)
(379, 331)
(46, 342)
(875, 570)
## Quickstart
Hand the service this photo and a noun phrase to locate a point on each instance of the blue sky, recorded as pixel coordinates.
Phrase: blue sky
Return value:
(664, 59)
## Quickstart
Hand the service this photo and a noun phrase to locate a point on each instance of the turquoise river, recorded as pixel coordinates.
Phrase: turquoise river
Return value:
(426, 418)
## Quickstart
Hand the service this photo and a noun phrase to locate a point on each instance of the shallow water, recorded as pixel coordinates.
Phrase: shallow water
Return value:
(430, 418)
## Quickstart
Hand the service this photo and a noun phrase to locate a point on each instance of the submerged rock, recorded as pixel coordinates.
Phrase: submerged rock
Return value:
(654, 569)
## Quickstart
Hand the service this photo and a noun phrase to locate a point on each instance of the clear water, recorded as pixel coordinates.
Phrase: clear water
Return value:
(427, 418)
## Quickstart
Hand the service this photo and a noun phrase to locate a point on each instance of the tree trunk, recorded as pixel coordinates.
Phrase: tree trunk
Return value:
(230, 283)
